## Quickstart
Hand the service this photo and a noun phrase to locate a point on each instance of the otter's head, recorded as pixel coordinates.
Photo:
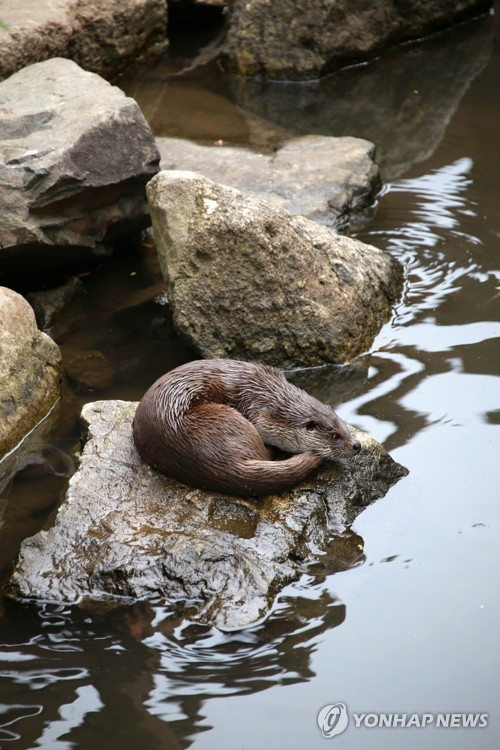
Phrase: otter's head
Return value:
(329, 437)
(307, 426)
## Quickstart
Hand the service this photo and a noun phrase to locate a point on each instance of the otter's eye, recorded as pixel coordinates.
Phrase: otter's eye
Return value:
(335, 436)
(311, 425)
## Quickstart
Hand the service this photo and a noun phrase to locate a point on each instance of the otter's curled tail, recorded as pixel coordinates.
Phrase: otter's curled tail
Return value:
(256, 477)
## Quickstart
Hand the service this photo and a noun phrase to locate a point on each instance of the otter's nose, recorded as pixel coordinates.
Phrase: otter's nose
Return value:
(356, 447)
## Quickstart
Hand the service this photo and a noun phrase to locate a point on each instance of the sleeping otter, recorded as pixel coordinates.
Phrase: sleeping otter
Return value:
(207, 424)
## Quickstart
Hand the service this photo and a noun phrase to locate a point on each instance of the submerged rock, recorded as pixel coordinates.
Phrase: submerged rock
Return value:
(249, 281)
(87, 370)
(75, 155)
(101, 35)
(124, 531)
(279, 41)
(50, 304)
(30, 373)
(331, 180)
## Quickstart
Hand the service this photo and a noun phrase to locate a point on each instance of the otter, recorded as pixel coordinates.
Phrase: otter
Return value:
(209, 424)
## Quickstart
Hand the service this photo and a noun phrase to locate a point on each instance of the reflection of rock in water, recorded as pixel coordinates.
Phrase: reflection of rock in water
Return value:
(168, 668)
(344, 552)
(402, 102)
(333, 384)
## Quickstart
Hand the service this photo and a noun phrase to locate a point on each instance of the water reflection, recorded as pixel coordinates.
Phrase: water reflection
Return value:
(430, 221)
(11, 714)
(402, 102)
(440, 202)
(434, 209)
(150, 669)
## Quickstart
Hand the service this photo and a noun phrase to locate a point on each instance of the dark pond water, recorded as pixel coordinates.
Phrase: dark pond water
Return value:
(413, 627)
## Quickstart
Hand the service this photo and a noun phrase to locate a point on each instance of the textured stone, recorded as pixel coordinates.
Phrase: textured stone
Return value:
(248, 281)
(331, 180)
(30, 372)
(103, 36)
(125, 532)
(75, 154)
(280, 40)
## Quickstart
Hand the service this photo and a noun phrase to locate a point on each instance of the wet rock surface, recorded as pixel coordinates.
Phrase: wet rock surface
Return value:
(101, 35)
(75, 155)
(331, 180)
(249, 281)
(124, 531)
(274, 41)
(30, 372)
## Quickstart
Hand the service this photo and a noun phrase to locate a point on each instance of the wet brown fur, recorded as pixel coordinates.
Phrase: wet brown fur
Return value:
(207, 424)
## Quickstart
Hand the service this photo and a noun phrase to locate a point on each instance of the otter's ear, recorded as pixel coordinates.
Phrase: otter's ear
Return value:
(311, 425)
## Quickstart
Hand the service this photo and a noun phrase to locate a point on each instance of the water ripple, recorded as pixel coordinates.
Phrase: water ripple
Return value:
(434, 210)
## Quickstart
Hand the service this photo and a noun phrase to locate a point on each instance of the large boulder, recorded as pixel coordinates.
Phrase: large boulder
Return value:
(103, 36)
(75, 155)
(30, 373)
(125, 532)
(249, 281)
(278, 40)
(331, 180)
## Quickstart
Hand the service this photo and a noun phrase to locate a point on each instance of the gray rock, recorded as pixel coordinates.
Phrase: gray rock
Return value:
(30, 373)
(127, 532)
(101, 35)
(331, 180)
(75, 154)
(213, 3)
(249, 281)
(281, 41)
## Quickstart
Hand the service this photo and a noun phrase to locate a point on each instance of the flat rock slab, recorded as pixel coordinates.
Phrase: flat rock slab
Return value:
(75, 155)
(330, 180)
(250, 281)
(125, 532)
(103, 36)
(30, 375)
